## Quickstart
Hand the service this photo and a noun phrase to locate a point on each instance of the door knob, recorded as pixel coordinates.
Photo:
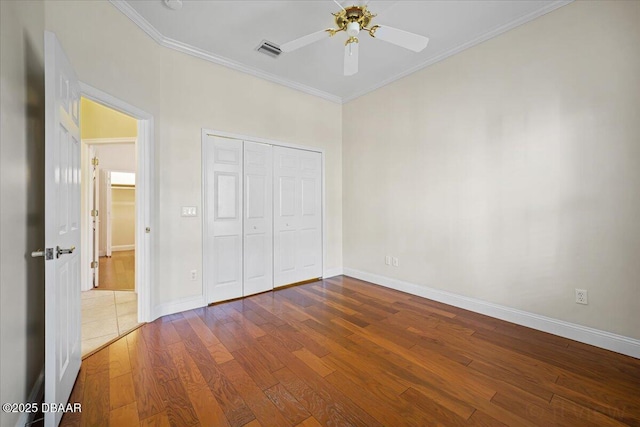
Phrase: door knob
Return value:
(60, 251)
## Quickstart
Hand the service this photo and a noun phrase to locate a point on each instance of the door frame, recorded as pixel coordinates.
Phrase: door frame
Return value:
(206, 270)
(145, 190)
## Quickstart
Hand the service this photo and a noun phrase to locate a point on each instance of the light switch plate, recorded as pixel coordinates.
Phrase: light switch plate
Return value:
(189, 211)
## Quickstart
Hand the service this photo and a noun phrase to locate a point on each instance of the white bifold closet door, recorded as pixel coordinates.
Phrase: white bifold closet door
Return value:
(258, 218)
(297, 222)
(223, 204)
(263, 217)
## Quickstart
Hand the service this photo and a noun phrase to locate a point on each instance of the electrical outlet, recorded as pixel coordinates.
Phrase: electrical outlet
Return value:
(394, 261)
(194, 274)
(582, 297)
(387, 260)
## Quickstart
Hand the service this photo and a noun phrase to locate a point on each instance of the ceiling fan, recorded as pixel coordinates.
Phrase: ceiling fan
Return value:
(352, 20)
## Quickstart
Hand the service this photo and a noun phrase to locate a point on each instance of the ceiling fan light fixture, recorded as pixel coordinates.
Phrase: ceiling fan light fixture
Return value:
(352, 20)
(353, 28)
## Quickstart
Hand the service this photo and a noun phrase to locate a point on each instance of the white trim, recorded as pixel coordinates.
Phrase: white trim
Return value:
(99, 141)
(223, 134)
(141, 22)
(323, 219)
(123, 248)
(145, 200)
(203, 209)
(146, 26)
(36, 395)
(210, 132)
(86, 249)
(332, 272)
(178, 306)
(584, 334)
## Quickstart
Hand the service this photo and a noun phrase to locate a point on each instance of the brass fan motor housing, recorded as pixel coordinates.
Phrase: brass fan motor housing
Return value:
(358, 14)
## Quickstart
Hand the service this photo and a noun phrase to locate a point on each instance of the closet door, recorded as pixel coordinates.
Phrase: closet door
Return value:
(310, 230)
(223, 206)
(258, 218)
(297, 222)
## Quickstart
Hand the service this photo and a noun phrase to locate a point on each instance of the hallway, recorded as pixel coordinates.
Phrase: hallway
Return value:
(117, 273)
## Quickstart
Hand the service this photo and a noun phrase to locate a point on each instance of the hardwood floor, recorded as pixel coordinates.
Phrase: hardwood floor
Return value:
(117, 273)
(344, 352)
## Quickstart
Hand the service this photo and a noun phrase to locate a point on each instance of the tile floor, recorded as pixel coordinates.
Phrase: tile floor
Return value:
(106, 315)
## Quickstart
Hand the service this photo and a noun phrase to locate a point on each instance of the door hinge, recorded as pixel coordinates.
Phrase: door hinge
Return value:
(94, 212)
(94, 264)
(95, 161)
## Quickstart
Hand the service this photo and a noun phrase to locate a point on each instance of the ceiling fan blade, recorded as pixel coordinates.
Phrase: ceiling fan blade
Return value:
(351, 59)
(304, 41)
(400, 38)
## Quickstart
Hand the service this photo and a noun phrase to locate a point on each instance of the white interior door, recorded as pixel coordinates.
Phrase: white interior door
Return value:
(62, 227)
(258, 214)
(223, 206)
(297, 222)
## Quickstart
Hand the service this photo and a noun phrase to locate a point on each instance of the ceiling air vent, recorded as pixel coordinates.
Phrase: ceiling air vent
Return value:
(269, 48)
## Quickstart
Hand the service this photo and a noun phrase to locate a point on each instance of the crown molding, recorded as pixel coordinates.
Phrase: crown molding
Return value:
(138, 19)
(146, 26)
(124, 7)
(457, 49)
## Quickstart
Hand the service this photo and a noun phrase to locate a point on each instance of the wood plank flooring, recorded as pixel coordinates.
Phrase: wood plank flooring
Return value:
(343, 352)
(117, 273)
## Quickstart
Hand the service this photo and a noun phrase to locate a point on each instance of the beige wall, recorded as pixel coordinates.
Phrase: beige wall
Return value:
(511, 171)
(186, 94)
(21, 200)
(123, 216)
(116, 157)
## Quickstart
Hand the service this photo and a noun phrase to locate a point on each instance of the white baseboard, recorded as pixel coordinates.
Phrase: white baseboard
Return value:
(332, 272)
(123, 248)
(179, 305)
(36, 395)
(595, 337)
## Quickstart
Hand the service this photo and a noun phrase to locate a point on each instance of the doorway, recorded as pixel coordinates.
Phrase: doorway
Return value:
(109, 297)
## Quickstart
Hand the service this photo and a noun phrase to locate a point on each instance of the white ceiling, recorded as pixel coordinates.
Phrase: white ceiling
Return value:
(228, 32)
